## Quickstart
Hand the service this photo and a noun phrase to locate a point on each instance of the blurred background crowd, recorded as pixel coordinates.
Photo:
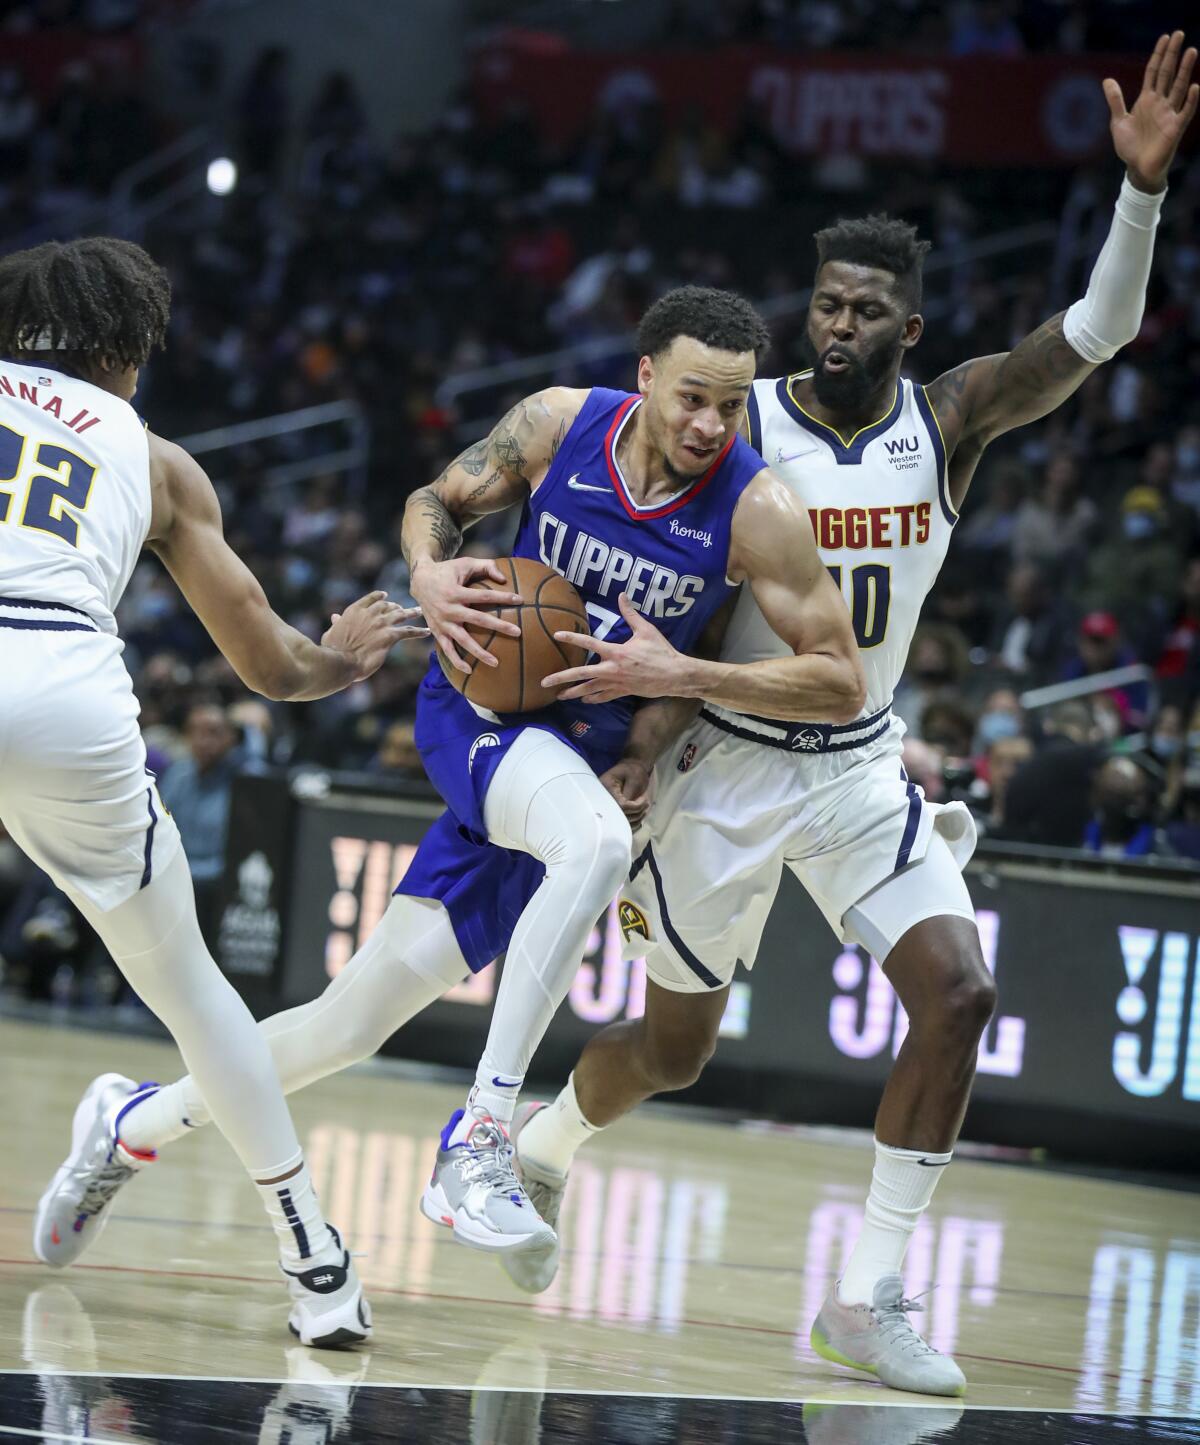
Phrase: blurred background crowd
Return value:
(407, 274)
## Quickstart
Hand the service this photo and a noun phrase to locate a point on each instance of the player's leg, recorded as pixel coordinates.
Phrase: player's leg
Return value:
(411, 958)
(154, 938)
(544, 800)
(920, 925)
(75, 796)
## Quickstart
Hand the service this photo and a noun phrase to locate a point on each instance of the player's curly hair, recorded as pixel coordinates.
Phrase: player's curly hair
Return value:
(880, 241)
(80, 301)
(717, 318)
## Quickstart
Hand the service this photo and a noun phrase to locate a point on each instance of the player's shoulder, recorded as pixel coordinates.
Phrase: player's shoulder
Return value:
(179, 486)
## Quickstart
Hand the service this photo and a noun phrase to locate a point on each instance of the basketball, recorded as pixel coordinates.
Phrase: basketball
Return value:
(549, 605)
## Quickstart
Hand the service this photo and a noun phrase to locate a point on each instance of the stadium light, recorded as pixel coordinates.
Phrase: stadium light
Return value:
(222, 176)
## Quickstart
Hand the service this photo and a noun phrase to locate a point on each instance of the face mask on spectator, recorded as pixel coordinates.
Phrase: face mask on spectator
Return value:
(993, 726)
(1166, 746)
(1137, 526)
(1188, 458)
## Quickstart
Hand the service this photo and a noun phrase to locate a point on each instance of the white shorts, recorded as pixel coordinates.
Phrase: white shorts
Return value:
(74, 790)
(730, 813)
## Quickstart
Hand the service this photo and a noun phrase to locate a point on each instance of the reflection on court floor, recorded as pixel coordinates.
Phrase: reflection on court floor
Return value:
(695, 1256)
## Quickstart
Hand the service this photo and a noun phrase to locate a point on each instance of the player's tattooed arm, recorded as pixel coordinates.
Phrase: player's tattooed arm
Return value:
(488, 477)
(981, 399)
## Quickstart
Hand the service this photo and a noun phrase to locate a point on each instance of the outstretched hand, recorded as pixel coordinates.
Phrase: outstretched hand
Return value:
(368, 630)
(1147, 137)
(645, 666)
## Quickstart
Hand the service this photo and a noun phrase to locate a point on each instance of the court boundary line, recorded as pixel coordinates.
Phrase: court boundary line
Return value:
(923, 1404)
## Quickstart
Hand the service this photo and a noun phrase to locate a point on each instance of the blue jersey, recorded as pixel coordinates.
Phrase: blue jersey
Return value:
(671, 559)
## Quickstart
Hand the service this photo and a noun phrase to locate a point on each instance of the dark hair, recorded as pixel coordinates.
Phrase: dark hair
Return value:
(882, 242)
(717, 318)
(82, 301)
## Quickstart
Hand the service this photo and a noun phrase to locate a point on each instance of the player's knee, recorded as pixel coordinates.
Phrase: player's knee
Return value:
(596, 853)
(964, 1010)
(678, 1061)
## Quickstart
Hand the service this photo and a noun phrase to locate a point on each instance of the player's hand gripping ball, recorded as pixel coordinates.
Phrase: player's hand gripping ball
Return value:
(548, 604)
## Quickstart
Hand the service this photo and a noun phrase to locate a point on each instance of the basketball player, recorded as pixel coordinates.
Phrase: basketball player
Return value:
(649, 504)
(83, 487)
(883, 466)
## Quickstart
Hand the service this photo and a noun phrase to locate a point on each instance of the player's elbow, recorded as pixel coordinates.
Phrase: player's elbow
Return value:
(850, 691)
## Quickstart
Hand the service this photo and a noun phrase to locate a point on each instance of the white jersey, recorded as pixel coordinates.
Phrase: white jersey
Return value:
(74, 491)
(881, 514)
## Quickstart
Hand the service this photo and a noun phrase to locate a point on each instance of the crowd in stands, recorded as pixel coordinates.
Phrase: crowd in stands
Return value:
(353, 266)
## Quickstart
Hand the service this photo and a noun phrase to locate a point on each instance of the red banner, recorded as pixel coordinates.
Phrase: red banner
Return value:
(1036, 110)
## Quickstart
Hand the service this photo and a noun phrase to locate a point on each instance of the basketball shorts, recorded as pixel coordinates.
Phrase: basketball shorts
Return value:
(732, 812)
(74, 791)
(484, 887)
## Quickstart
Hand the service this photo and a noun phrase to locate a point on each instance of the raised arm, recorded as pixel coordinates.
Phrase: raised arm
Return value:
(269, 656)
(981, 399)
(772, 550)
(488, 477)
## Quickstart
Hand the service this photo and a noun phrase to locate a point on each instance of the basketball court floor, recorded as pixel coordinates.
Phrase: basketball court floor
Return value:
(695, 1257)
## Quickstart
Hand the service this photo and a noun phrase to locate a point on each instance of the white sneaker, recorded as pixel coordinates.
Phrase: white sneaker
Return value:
(474, 1191)
(73, 1211)
(879, 1339)
(329, 1309)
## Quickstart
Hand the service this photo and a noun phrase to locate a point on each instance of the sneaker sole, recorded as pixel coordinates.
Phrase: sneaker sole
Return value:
(339, 1335)
(81, 1125)
(827, 1352)
(436, 1207)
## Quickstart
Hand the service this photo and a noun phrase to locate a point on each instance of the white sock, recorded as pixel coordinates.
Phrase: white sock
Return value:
(493, 1094)
(291, 1202)
(552, 1136)
(160, 1117)
(902, 1185)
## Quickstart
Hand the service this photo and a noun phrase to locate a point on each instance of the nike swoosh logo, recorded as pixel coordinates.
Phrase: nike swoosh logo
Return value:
(506, 1083)
(577, 486)
(791, 458)
(932, 1163)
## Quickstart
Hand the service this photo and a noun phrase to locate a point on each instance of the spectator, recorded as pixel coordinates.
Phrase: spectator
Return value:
(937, 664)
(1052, 528)
(1122, 823)
(1098, 650)
(1180, 653)
(1001, 718)
(1029, 628)
(1004, 757)
(1136, 573)
(949, 726)
(398, 756)
(1182, 833)
(986, 28)
(1048, 798)
(197, 790)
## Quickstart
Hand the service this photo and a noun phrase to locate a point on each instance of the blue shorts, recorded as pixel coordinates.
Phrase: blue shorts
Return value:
(484, 887)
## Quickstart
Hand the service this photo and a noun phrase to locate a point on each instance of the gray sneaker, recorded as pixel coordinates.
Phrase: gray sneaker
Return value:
(534, 1270)
(879, 1339)
(74, 1209)
(474, 1191)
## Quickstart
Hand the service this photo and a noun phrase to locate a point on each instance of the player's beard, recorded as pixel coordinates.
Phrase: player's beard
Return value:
(851, 389)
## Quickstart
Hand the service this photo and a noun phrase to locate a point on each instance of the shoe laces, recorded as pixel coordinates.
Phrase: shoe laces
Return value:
(896, 1327)
(488, 1157)
(103, 1185)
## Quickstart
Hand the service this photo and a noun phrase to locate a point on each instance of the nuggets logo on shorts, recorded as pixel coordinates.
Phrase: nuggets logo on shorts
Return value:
(687, 758)
(632, 920)
(580, 728)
